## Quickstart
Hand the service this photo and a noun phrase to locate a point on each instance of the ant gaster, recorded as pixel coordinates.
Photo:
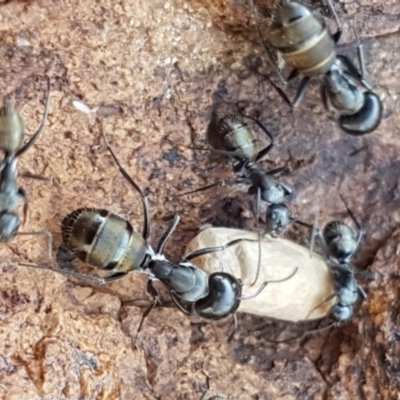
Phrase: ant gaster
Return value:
(302, 38)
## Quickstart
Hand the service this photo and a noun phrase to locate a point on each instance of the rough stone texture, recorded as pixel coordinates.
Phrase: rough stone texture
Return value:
(150, 70)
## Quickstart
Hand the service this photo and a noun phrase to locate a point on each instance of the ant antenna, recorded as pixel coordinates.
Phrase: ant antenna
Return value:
(259, 261)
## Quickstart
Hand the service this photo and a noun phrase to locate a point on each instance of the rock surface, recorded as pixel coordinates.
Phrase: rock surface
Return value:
(150, 71)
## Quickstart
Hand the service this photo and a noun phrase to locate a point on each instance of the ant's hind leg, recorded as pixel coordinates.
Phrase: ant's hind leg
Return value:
(48, 236)
(234, 328)
(38, 177)
(65, 271)
(152, 292)
(337, 35)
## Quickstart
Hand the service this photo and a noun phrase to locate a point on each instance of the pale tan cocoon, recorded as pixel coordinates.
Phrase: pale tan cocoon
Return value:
(291, 300)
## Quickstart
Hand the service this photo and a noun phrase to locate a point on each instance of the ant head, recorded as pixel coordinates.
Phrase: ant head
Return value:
(278, 217)
(223, 298)
(342, 312)
(342, 248)
(9, 224)
(366, 119)
(341, 241)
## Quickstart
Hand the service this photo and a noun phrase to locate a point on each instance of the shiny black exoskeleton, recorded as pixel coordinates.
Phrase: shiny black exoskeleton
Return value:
(303, 40)
(12, 135)
(277, 218)
(346, 291)
(231, 136)
(340, 241)
(222, 300)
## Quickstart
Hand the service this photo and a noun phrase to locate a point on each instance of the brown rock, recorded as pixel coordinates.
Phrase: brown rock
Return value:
(149, 70)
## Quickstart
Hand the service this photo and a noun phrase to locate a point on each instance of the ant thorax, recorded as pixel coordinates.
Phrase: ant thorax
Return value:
(343, 92)
(185, 280)
(341, 241)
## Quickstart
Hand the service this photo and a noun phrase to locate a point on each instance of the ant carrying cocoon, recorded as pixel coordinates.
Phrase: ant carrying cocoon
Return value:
(289, 300)
(339, 243)
(109, 242)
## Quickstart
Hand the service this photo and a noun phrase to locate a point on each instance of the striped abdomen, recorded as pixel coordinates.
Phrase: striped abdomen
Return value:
(237, 137)
(103, 239)
(302, 38)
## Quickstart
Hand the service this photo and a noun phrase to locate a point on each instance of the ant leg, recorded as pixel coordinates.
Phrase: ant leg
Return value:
(35, 176)
(360, 55)
(330, 297)
(390, 114)
(356, 223)
(324, 97)
(234, 329)
(288, 191)
(231, 153)
(270, 57)
(342, 269)
(352, 216)
(32, 140)
(178, 304)
(277, 170)
(294, 73)
(208, 250)
(222, 183)
(301, 91)
(153, 292)
(303, 335)
(262, 287)
(295, 220)
(48, 237)
(143, 198)
(259, 261)
(65, 255)
(69, 272)
(253, 11)
(23, 197)
(280, 92)
(115, 276)
(168, 233)
(352, 71)
(257, 204)
(323, 244)
(336, 36)
(207, 389)
(362, 292)
(314, 233)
